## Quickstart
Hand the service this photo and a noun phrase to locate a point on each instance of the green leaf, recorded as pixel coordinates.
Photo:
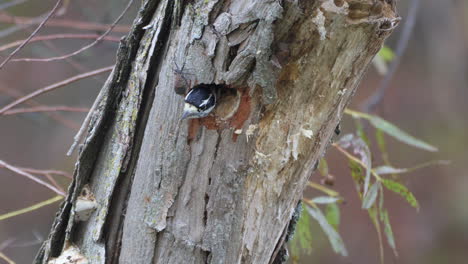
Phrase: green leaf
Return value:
(359, 147)
(332, 213)
(361, 133)
(371, 196)
(356, 173)
(323, 167)
(392, 170)
(384, 218)
(380, 65)
(392, 130)
(333, 236)
(389, 170)
(373, 214)
(401, 190)
(399, 134)
(302, 241)
(380, 138)
(31, 208)
(386, 54)
(325, 200)
(323, 189)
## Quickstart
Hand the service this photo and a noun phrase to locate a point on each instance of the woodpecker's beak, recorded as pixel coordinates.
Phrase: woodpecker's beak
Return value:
(190, 111)
(185, 115)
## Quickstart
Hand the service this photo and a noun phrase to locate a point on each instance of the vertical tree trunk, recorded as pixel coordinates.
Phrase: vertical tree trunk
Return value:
(221, 189)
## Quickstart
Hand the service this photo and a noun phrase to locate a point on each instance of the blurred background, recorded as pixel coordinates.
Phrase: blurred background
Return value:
(426, 98)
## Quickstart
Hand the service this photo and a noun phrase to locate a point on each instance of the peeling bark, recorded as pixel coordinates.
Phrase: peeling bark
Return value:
(224, 188)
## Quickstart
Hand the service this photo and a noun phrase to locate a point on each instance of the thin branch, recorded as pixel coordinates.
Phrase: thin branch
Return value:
(64, 23)
(54, 182)
(44, 172)
(49, 175)
(83, 48)
(58, 36)
(46, 109)
(53, 115)
(54, 9)
(30, 176)
(370, 104)
(55, 86)
(73, 63)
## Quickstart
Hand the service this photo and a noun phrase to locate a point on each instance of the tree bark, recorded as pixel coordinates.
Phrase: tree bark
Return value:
(221, 189)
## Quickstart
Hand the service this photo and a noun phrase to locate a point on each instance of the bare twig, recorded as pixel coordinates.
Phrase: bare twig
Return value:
(30, 176)
(44, 172)
(58, 36)
(53, 115)
(46, 109)
(55, 86)
(54, 9)
(48, 174)
(83, 48)
(54, 182)
(73, 63)
(64, 23)
(370, 104)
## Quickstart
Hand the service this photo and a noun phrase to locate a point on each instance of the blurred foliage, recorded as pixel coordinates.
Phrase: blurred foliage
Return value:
(369, 189)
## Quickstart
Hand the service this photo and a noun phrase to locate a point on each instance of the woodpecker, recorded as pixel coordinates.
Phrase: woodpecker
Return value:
(200, 101)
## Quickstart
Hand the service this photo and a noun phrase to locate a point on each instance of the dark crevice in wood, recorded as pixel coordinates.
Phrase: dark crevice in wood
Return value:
(232, 55)
(122, 190)
(280, 255)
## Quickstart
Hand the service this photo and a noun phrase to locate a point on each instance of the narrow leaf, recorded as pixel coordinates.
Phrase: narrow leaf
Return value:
(373, 214)
(399, 134)
(323, 189)
(361, 133)
(371, 196)
(359, 147)
(401, 190)
(380, 65)
(31, 208)
(333, 236)
(384, 218)
(325, 200)
(302, 241)
(386, 54)
(323, 167)
(392, 170)
(389, 170)
(380, 138)
(392, 130)
(332, 213)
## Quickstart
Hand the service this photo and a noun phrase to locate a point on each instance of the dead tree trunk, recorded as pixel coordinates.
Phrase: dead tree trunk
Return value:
(221, 189)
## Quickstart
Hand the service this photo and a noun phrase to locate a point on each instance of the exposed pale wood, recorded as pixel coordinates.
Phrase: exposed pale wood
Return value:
(205, 192)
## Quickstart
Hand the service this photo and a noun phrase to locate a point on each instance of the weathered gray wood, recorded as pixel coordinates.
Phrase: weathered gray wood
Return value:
(224, 189)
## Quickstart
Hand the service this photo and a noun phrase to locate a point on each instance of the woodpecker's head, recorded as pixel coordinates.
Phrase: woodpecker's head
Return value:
(200, 101)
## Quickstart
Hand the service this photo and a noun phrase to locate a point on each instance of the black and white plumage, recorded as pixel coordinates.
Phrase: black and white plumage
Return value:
(200, 101)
